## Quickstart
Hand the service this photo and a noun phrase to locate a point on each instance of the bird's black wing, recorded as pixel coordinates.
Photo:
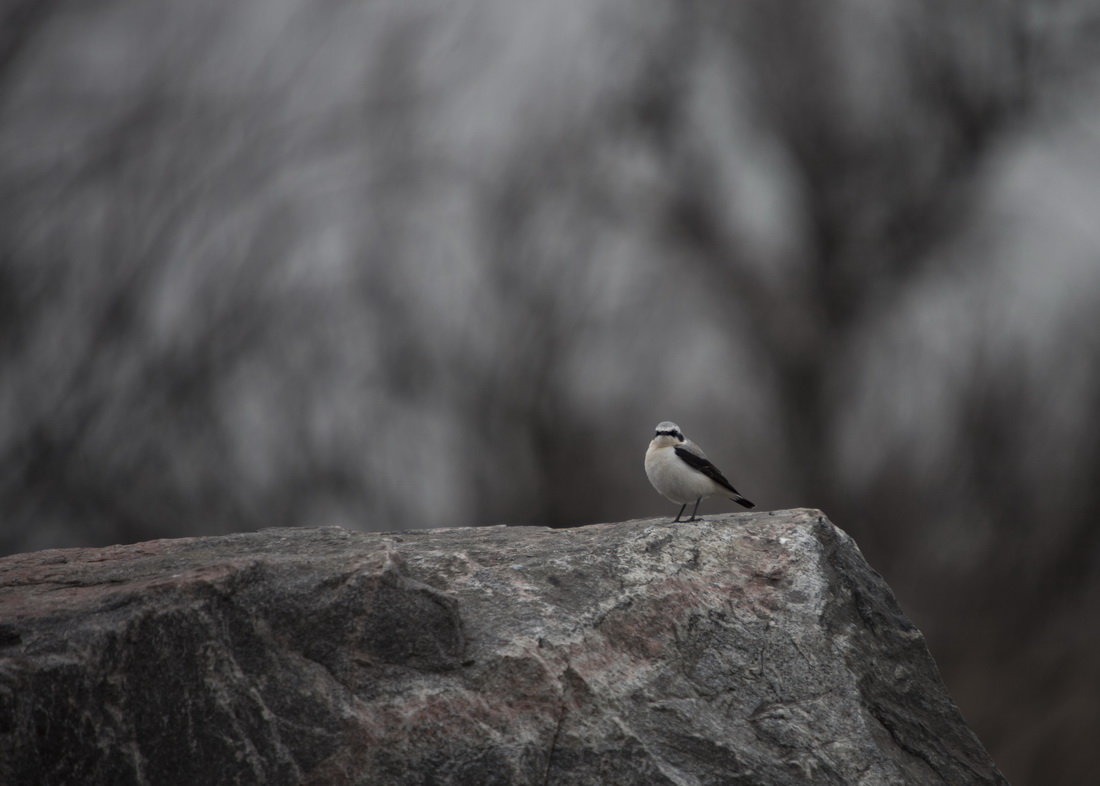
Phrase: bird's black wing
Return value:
(703, 465)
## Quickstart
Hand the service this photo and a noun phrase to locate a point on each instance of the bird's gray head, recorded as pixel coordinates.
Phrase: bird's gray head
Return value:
(666, 428)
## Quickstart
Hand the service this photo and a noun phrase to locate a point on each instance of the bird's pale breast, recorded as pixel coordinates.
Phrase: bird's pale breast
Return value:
(674, 479)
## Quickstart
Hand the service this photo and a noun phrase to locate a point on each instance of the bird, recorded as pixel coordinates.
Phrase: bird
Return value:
(681, 471)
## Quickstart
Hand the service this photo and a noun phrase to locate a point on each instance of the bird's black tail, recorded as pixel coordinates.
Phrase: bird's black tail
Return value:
(742, 501)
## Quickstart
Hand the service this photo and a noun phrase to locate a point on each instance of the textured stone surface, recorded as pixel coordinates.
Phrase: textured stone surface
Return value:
(745, 649)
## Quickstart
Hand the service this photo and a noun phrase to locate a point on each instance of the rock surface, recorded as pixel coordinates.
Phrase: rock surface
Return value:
(745, 649)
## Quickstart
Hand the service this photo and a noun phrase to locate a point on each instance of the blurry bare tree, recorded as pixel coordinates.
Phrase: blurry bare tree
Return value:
(396, 264)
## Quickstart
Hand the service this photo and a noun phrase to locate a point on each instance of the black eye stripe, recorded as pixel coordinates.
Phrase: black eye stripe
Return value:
(676, 434)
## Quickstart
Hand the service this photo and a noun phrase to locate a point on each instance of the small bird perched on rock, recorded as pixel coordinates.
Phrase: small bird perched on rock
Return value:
(681, 472)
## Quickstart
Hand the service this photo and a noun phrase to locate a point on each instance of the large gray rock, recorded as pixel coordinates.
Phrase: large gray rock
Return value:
(745, 649)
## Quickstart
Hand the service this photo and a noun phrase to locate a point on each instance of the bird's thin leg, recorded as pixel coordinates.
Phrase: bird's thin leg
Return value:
(680, 513)
(696, 510)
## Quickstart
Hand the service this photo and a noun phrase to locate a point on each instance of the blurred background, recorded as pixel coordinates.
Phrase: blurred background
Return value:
(412, 263)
